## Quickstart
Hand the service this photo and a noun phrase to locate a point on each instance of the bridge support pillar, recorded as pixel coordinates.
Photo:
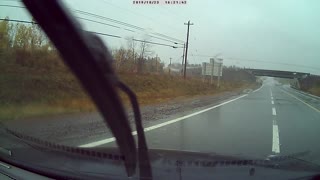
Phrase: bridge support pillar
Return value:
(296, 83)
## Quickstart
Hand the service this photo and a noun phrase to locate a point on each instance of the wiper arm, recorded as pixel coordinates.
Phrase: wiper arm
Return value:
(90, 61)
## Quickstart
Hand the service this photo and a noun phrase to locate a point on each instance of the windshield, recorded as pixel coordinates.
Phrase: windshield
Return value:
(238, 78)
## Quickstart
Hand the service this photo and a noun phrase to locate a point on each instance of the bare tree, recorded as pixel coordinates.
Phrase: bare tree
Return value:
(145, 50)
(131, 45)
(120, 57)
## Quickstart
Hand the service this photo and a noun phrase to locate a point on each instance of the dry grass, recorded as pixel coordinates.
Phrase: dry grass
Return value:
(26, 93)
(315, 90)
(152, 89)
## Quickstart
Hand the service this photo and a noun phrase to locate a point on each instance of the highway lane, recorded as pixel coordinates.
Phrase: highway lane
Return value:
(268, 121)
(310, 100)
(299, 121)
(233, 128)
(75, 129)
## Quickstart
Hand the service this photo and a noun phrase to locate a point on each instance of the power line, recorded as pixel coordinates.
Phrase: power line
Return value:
(20, 21)
(104, 34)
(13, 6)
(108, 19)
(124, 29)
(153, 43)
(199, 55)
(138, 14)
(138, 40)
(168, 37)
(86, 13)
(99, 33)
(111, 20)
(128, 30)
(11, 0)
(127, 10)
(124, 24)
(97, 22)
(163, 39)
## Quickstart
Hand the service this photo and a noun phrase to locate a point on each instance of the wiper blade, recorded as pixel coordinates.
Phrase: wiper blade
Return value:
(143, 154)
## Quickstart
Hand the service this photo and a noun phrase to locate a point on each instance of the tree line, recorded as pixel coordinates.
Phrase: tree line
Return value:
(27, 45)
(136, 58)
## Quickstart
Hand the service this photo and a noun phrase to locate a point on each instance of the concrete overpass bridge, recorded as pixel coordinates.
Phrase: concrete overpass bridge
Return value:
(280, 74)
(296, 76)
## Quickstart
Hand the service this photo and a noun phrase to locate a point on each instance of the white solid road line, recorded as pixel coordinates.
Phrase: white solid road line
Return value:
(258, 89)
(275, 139)
(274, 112)
(307, 94)
(112, 139)
(272, 102)
(318, 110)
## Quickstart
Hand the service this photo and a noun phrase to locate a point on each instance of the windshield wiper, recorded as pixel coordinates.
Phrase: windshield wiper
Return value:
(90, 61)
(143, 154)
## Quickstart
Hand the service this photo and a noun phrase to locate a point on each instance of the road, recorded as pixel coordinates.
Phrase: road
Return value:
(273, 119)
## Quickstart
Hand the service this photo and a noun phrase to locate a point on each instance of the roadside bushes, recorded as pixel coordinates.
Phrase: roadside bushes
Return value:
(311, 84)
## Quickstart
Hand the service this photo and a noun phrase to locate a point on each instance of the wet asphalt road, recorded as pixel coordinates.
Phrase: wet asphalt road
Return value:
(274, 119)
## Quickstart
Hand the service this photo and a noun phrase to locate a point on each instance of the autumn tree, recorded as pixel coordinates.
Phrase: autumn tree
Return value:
(6, 32)
(28, 37)
(153, 64)
(123, 60)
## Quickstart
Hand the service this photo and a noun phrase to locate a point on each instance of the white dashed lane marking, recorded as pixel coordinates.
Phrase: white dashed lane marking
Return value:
(275, 128)
(275, 139)
(274, 112)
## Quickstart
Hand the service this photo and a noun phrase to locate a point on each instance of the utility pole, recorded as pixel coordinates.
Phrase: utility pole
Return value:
(212, 68)
(220, 69)
(184, 47)
(204, 66)
(186, 56)
(170, 67)
(157, 63)
(134, 60)
(133, 51)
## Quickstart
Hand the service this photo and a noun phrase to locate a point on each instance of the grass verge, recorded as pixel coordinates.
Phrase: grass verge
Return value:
(27, 93)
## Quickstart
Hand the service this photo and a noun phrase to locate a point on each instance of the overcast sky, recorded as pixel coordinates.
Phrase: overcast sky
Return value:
(277, 31)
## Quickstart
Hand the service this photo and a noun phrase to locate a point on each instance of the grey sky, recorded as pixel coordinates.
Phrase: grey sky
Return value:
(283, 31)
